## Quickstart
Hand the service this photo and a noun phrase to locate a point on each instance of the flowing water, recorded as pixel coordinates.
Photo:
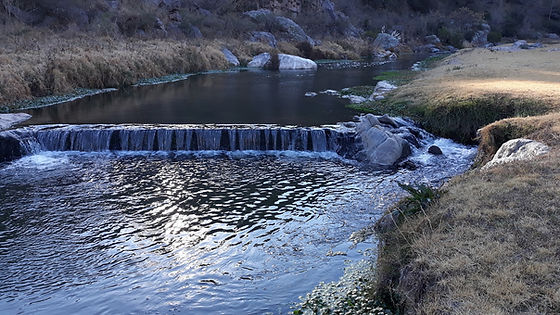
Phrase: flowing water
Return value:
(145, 221)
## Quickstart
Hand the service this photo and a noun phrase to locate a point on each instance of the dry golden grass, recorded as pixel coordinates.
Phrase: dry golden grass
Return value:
(533, 74)
(491, 243)
(44, 64)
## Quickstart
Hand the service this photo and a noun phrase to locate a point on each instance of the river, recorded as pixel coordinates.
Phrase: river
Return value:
(191, 231)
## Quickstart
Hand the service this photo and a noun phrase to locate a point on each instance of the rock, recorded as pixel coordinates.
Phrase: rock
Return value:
(367, 122)
(381, 88)
(292, 31)
(259, 61)
(230, 57)
(287, 62)
(264, 37)
(384, 54)
(552, 36)
(520, 44)
(284, 27)
(380, 147)
(10, 147)
(290, 62)
(355, 99)
(435, 150)
(432, 40)
(258, 15)
(386, 41)
(9, 120)
(385, 119)
(310, 94)
(480, 38)
(518, 150)
(388, 222)
(330, 92)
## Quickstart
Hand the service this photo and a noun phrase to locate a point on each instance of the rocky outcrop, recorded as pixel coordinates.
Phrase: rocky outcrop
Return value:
(386, 41)
(9, 120)
(230, 57)
(286, 62)
(517, 150)
(381, 146)
(518, 45)
(480, 38)
(264, 37)
(282, 27)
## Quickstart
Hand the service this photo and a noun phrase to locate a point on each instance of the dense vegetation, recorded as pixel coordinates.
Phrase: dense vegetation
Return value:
(453, 21)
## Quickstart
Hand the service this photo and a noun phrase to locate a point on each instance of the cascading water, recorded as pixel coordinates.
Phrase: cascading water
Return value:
(168, 138)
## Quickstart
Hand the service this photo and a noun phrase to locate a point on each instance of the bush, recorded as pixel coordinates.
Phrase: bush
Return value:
(495, 37)
(449, 37)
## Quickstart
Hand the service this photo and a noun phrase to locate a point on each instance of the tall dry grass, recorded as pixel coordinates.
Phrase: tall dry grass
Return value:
(490, 244)
(45, 63)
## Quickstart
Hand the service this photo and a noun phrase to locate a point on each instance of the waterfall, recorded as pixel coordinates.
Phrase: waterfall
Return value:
(168, 138)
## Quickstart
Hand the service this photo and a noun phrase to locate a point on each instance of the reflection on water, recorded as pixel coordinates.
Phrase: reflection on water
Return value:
(236, 97)
(105, 233)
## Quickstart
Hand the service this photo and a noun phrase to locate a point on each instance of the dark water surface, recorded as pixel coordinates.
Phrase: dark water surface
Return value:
(230, 98)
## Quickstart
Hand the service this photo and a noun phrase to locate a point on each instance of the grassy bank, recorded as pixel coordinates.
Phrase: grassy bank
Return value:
(36, 62)
(488, 244)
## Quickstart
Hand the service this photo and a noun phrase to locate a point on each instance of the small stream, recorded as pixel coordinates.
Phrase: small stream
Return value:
(93, 227)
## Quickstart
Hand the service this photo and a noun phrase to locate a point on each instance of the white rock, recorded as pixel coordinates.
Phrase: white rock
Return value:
(330, 92)
(381, 89)
(518, 150)
(310, 94)
(355, 99)
(230, 57)
(289, 62)
(259, 61)
(10, 120)
(286, 62)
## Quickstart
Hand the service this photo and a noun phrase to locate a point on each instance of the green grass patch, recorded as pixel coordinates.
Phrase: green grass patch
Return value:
(431, 62)
(399, 77)
(457, 119)
(362, 90)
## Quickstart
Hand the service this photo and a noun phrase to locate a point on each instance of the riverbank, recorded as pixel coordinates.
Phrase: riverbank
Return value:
(38, 63)
(488, 242)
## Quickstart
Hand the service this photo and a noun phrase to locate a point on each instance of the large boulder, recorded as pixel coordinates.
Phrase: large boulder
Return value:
(291, 31)
(286, 62)
(381, 147)
(386, 41)
(289, 62)
(264, 37)
(283, 27)
(9, 120)
(518, 150)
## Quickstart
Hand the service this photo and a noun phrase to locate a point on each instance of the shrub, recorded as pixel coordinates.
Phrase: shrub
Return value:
(495, 37)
